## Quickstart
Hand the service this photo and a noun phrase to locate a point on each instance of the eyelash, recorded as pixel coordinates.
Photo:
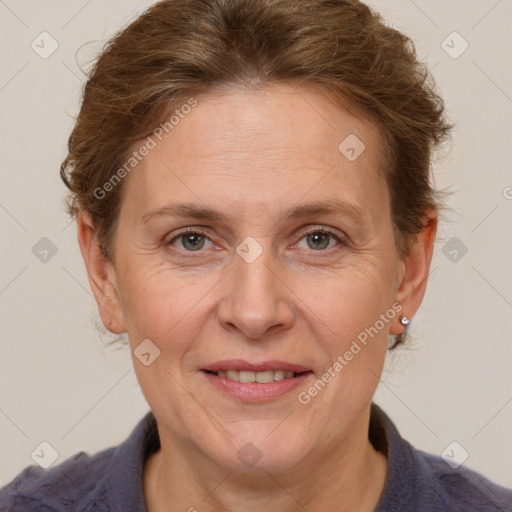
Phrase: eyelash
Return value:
(192, 231)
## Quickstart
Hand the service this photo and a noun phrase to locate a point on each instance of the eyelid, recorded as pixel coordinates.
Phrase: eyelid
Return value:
(322, 229)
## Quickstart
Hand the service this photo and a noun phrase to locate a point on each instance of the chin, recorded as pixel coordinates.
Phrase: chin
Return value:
(258, 450)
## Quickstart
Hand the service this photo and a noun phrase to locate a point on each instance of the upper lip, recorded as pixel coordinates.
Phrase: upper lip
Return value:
(240, 364)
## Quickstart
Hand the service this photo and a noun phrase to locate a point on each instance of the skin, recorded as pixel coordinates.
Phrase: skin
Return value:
(252, 156)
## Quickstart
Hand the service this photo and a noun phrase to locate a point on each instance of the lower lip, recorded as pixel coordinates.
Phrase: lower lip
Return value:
(255, 391)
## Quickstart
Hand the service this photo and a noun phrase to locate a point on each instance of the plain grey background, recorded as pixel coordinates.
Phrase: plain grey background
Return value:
(61, 385)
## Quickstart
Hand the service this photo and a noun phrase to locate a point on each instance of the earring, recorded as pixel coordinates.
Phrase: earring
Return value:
(405, 321)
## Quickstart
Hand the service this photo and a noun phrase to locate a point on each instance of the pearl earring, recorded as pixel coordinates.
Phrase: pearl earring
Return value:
(405, 321)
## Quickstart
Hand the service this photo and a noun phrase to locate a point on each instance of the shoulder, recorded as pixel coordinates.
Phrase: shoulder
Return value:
(462, 488)
(424, 482)
(108, 480)
(74, 484)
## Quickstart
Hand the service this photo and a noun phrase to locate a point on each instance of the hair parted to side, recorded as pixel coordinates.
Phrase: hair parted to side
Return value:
(180, 49)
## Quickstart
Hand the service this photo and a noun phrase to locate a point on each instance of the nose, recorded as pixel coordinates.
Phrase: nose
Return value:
(257, 298)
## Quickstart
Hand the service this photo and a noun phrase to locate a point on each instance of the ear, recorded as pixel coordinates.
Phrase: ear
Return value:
(101, 274)
(414, 272)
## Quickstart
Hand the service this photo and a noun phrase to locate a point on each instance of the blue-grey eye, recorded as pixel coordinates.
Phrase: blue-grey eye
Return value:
(320, 240)
(193, 241)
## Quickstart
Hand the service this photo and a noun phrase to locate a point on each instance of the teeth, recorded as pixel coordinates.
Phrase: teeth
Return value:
(279, 374)
(246, 376)
(261, 377)
(233, 375)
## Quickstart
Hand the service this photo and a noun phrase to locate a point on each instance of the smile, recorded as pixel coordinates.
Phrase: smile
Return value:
(255, 382)
(261, 377)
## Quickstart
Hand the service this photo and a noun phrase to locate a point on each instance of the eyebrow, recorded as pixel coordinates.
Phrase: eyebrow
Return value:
(324, 207)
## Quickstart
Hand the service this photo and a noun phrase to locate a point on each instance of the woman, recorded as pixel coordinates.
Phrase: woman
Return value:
(251, 185)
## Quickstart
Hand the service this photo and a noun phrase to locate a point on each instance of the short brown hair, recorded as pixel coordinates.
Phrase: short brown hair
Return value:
(183, 48)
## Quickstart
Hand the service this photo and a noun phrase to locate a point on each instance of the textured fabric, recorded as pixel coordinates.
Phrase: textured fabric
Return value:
(111, 480)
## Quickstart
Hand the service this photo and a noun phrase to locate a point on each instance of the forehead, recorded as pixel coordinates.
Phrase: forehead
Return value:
(274, 122)
(255, 148)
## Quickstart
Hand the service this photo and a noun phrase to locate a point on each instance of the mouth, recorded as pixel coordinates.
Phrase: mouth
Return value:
(264, 377)
(255, 382)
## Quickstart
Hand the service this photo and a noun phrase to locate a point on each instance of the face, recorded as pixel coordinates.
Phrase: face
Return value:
(248, 241)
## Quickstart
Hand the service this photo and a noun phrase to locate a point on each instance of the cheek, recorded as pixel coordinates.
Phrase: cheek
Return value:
(347, 301)
(348, 315)
(164, 306)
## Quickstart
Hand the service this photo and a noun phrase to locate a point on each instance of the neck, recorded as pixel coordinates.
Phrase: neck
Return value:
(350, 475)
